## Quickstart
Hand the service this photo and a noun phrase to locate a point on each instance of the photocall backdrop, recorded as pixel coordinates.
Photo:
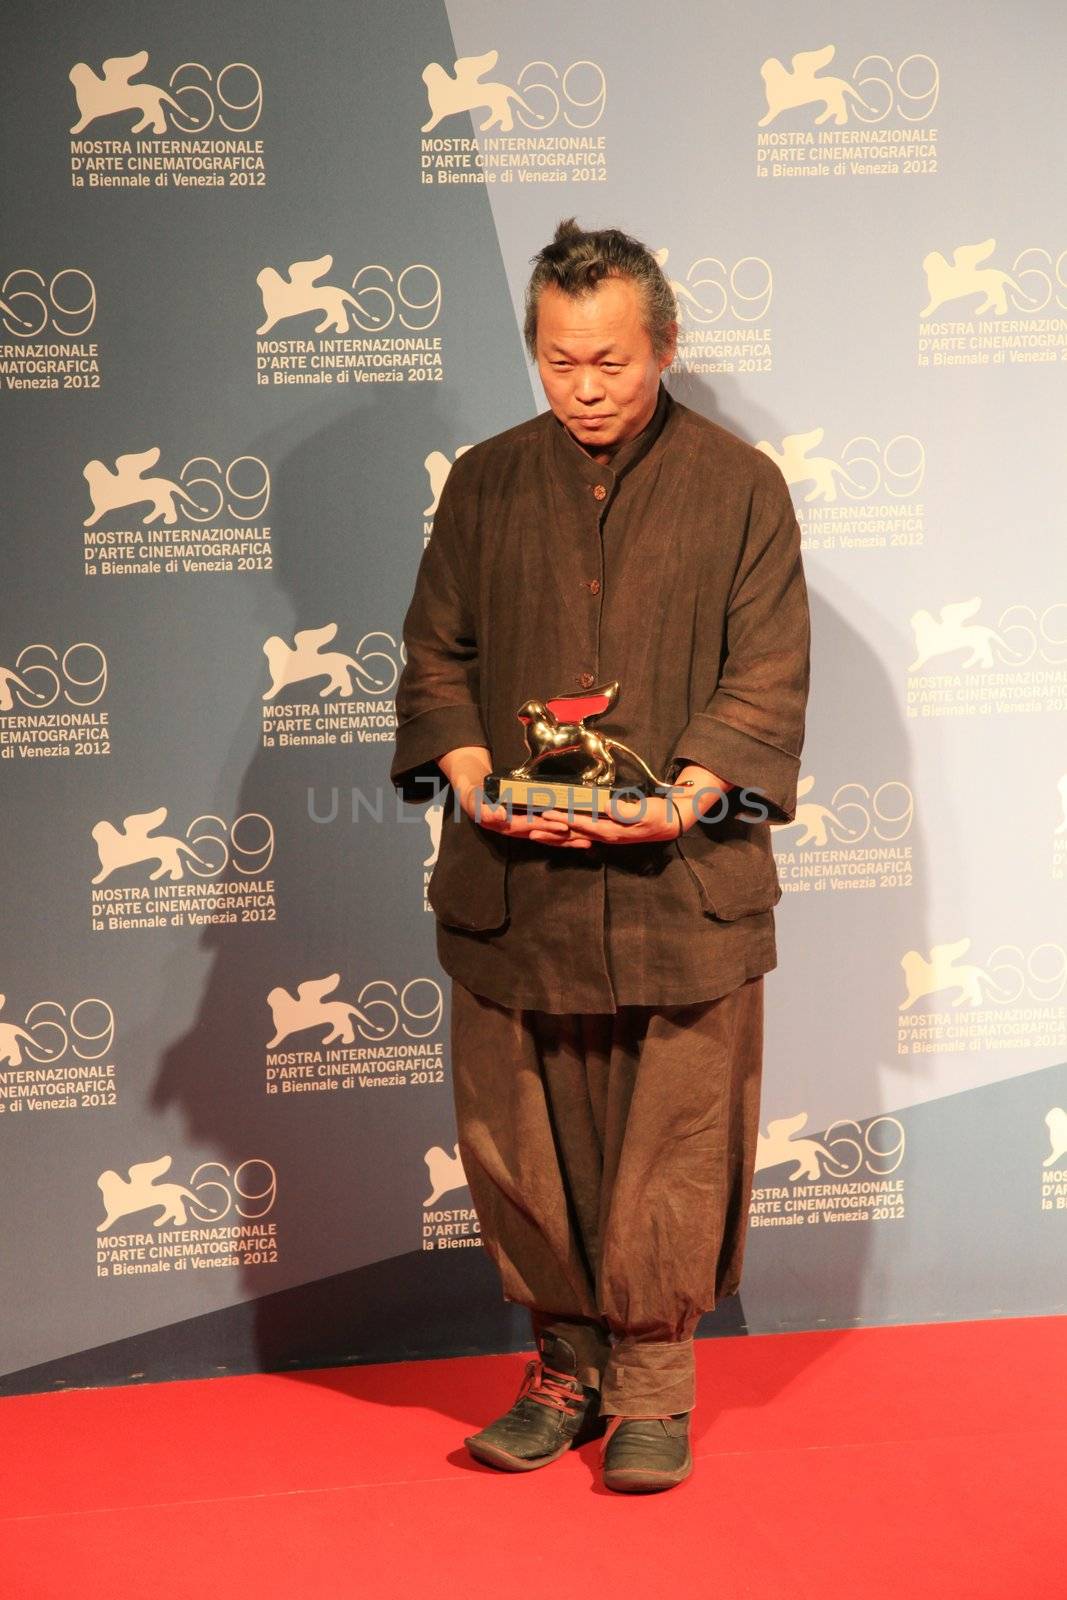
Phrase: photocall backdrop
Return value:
(261, 284)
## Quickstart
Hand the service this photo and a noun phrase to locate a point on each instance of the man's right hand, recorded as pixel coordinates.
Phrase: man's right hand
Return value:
(466, 770)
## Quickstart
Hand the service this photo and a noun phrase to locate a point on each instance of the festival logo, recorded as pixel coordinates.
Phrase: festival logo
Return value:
(1056, 1123)
(375, 329)
(218, 1218)
(191, 133)
(58, 1057)
(1059, 834)
(160, 895)
(300, 292)
(50, 703)
(1015, 665)
(558, 108)
(1009, 1000)
(850, 1174)
(433, 814)
(385, 1037)
(339, 677)
(45, 323)
(437, 466)
(206, 517)
(1054, 1166)
(723, 309)
(979, 312)
(125, 485)
(860, 498)
(855, 842)
(878, 116)
(449, 1227)
(966, 276)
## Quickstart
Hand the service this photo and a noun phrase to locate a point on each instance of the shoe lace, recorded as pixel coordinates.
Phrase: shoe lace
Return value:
(550, 1388)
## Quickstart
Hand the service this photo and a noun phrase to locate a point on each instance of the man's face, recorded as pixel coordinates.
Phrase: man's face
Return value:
(596, 363)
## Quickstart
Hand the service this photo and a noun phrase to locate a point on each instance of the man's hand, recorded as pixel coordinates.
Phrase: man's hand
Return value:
(466, 769)
(653, 817)
(640, 821)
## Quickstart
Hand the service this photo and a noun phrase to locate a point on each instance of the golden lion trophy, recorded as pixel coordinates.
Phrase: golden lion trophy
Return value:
(569, 765)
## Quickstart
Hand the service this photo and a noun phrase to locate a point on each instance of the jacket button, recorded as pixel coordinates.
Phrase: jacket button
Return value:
(599, 491)
(594, 584)
(586, 680)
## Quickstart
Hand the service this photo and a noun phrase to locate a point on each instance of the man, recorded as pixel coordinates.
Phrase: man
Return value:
(607, 974)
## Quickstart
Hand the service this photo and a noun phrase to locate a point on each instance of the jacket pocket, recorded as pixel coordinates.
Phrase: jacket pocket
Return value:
(467, 887)
(735, 875)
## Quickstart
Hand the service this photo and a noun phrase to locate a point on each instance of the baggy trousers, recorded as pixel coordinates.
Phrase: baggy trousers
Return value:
(610, 1158)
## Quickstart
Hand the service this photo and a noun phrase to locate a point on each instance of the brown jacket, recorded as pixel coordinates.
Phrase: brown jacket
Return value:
(676, 569)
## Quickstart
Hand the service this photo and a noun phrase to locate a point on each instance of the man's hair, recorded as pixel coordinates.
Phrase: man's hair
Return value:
(577, 260)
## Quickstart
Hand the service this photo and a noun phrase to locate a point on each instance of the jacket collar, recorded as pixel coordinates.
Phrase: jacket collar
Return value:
(577, 465)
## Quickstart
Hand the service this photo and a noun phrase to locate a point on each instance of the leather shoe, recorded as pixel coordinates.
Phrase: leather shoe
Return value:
(553, 1412)
(646, 1453)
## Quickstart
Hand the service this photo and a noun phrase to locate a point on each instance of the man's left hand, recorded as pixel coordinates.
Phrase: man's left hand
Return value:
(647, 819)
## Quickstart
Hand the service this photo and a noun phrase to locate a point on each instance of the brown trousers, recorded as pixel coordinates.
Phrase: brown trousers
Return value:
(610, 1159)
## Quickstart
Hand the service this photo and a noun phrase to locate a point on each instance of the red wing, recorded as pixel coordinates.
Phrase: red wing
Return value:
(576, 708)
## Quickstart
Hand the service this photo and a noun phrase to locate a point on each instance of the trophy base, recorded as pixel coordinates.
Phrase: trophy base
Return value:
(562, 794)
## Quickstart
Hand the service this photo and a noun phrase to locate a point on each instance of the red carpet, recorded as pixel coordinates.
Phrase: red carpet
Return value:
(904, 1462)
